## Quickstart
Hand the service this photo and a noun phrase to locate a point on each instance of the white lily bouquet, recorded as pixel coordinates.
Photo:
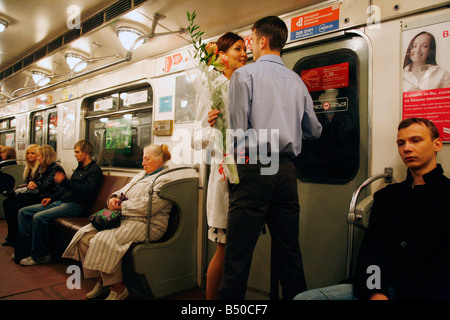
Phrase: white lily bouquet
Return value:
(212, 89)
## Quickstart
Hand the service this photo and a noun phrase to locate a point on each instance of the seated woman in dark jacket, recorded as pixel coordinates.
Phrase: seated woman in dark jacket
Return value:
(43, 187)
(6, 180)
(7, 153)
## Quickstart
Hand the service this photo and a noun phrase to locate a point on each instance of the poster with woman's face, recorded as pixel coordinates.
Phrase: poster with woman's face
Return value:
(426, 75)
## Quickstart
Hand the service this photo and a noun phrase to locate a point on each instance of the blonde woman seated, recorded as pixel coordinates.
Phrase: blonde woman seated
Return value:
(101, 252)
(31, 172)
(12, 205)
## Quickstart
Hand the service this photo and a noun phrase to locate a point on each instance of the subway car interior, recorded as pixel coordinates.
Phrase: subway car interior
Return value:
(117, 73)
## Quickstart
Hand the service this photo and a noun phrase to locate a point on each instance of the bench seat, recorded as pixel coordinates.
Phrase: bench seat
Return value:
(141, 274)
(62, 230)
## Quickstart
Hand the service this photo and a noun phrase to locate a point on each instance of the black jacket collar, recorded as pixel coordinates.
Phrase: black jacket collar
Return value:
(431, 177)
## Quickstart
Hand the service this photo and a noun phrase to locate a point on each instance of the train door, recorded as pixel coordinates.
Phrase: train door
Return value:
(44, 127)
(330, 168)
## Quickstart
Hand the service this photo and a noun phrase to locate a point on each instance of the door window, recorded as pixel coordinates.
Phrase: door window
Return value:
(52, 129)
(331, 79)
(38, 130)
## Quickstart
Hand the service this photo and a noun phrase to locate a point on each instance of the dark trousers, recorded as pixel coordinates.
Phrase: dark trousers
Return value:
(257, 199)
(12, 207)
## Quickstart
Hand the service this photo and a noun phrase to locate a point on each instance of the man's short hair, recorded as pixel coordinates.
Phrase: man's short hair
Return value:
(85, 146)
(425, 122)
(274, 29)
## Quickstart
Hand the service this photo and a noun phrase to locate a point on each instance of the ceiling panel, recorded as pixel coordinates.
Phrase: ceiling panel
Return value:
(36, 23)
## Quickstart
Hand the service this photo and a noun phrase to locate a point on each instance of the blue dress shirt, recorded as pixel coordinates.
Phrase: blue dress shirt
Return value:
(268, 95)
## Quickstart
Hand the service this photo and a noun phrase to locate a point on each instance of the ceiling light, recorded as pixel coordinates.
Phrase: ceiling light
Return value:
(76, 61)
(40, 78)
(3, 24)
(128, 35)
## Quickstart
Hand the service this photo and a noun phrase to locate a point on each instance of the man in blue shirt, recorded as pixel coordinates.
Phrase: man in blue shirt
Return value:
(271, 112)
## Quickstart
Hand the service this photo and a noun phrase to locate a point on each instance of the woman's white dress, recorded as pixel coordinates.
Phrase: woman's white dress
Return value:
(217, 193)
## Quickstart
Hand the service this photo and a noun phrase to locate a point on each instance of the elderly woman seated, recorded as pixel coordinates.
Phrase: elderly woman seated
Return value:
(101, 252)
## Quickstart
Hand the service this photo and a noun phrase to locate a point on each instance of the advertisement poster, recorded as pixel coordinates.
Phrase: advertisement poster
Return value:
(426, 75)
(118, 135)
(9, 139)
(328, 79)
(21, 131)
(68, 111)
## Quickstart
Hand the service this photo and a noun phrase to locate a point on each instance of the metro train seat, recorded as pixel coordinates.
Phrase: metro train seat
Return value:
(362, 212)
(167, 266)
(359, 213)
(16, 171)
(175, 253)
(62, 230)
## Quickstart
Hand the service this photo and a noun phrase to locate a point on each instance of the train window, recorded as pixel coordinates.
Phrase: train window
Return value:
(103, 104)
(4, 124)
(332, 81)
(44, 128)
(8, 132)
(38, 133)
(121, 100)
(184, 100)
(52, 129)
(120, 131)
(136, 98)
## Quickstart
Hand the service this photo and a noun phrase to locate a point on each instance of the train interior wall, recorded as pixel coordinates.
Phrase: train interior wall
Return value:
(384, 111)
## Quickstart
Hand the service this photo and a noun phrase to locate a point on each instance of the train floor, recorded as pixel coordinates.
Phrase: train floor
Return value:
(49, 281)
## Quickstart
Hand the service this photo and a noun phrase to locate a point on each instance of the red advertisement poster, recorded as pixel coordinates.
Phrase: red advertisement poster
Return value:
(433, 105)
(426, 75)
(329, 77)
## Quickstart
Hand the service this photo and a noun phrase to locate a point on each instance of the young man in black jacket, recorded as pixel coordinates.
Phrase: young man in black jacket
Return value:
(405, 251)
(68, 202)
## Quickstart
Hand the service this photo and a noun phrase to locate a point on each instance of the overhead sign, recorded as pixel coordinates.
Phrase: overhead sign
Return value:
(314, 23)
(175, 62)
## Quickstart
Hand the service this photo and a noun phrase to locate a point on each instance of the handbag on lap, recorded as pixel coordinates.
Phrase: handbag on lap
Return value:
(106, 218)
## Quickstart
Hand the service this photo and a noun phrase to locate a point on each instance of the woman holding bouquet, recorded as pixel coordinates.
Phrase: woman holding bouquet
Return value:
(232, 49)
